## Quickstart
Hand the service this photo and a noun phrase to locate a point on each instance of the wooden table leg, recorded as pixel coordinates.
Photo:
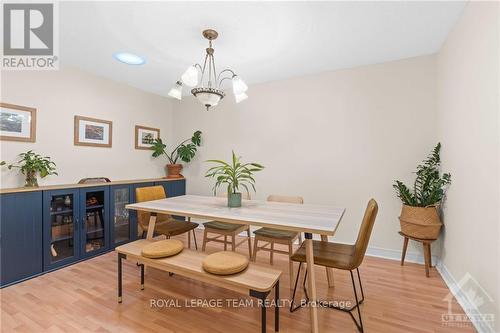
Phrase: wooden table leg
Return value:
(329, 271)
(151, 226)
(403, 255)
(312, 283)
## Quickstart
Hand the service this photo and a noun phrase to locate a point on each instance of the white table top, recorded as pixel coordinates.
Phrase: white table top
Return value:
(318, 219)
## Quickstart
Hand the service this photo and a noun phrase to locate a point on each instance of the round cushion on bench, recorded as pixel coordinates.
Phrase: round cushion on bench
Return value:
(225, 263)
(162, 249)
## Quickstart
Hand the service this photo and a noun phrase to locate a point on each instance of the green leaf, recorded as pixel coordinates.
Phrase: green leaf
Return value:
(429, 187)
(233, 174)
(196, 139)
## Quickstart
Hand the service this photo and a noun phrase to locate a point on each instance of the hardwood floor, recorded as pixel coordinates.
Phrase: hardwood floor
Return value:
(82, 298)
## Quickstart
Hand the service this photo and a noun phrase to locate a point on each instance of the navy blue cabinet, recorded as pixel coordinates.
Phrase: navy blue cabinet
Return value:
(94, 224)
(44, 230)
(20, 236)
(61, 227)
(123, 227)
(173, 188)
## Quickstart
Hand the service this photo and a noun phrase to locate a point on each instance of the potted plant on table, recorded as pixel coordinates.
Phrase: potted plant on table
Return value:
(185, 151)
(419, 214)
(32, 164)
(235, 175)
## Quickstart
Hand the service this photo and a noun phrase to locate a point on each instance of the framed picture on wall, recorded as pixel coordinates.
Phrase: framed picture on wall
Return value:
(17, 123)
(145, 136)
(93, 132)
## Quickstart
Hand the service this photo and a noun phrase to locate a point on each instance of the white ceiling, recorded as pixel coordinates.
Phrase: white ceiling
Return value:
(261, 41)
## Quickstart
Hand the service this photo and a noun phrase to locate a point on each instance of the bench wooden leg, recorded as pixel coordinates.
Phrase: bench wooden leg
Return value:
(225, 243)
(233, 242)
(403, 254)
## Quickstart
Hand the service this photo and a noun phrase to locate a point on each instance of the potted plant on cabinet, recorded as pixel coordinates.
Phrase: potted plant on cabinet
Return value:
(419, 214)
(185, 151)
(32, 164)
(235, 175)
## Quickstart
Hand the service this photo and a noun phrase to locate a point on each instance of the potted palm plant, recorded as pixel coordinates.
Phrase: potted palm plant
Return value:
(420, 212)
(235, 175)
(32, 164)
(185, 151)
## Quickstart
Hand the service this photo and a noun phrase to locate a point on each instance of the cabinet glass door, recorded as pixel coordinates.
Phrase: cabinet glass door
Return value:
(121, 218)
(94, 220)
(62, 227)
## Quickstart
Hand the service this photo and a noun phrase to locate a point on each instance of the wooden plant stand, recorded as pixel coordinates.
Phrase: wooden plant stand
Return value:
(426, 243)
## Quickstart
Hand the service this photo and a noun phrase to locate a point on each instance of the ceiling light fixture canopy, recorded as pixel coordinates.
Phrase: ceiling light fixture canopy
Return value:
(206, 82)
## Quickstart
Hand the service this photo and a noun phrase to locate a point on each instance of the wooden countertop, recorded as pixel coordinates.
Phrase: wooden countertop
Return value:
(64, 186)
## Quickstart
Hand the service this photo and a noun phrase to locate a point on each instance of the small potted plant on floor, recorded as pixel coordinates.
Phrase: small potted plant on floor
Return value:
(420, 213)
(185, 151)
(32, 164)
(235, 175)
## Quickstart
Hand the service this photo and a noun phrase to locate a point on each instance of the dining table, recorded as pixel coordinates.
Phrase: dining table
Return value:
(310, 219)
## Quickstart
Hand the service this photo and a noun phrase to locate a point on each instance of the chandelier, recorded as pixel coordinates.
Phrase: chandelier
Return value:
(206, 82)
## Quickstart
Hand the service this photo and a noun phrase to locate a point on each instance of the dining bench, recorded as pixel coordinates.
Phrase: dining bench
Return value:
(256, 281)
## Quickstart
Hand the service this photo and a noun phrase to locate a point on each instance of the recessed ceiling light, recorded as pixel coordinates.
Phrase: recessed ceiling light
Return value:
(129, 58)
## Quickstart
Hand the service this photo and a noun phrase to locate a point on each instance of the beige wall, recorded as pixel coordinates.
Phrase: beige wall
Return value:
(58, 97)
(336, 138)
(468, 126)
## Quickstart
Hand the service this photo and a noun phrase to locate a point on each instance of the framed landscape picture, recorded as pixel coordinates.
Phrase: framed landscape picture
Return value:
(145, 136)
(93, 132)
(17, 123)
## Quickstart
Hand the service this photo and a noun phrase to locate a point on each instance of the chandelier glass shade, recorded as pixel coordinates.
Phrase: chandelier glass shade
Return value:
(206, 83)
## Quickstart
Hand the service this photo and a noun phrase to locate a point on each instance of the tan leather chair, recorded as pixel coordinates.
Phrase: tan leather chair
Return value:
(276, 236)
(225, 230)
(165, 224)
(341, 256)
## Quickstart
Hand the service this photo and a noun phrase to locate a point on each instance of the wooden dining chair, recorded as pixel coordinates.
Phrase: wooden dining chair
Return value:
(223, 230)
(276, 236)
(165, 224)
(340, 256)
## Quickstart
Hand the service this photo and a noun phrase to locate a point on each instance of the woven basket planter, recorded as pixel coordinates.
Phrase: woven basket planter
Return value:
(420, 222)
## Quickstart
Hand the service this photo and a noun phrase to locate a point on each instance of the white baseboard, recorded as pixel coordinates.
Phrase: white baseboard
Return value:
(396, 255)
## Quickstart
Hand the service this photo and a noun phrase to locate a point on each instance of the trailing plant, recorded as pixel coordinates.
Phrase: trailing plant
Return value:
(234, 174)
(32, 164)
(185, 151)
(429, 186)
